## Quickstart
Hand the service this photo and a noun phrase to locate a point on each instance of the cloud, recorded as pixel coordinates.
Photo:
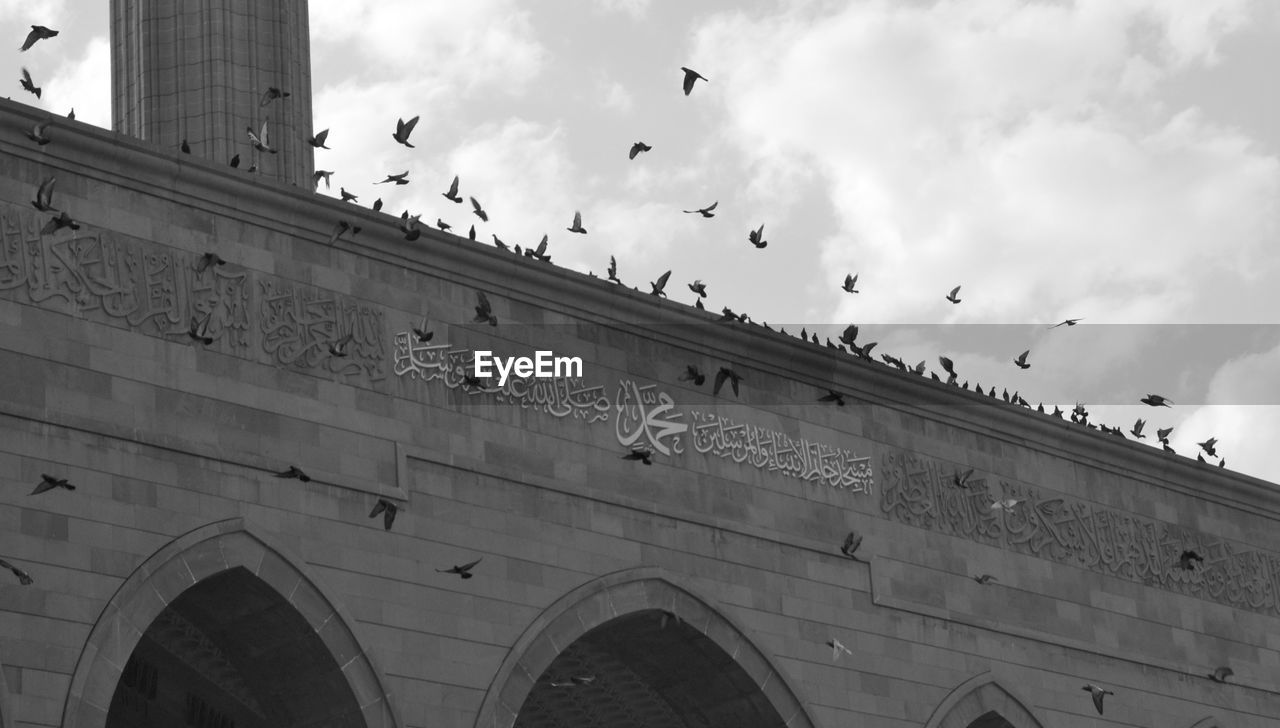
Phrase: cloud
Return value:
(78, 83)
(635, 8)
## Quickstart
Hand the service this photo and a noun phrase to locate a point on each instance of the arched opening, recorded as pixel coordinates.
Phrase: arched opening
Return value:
(645, 669)
(982, 702)
(230, 652)
(990, 719)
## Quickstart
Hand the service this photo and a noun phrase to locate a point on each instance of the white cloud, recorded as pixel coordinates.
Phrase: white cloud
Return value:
(78, 84)
(635, 8)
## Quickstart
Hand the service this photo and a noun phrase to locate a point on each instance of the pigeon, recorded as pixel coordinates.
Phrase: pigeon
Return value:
(472, 233)
(722, 375)
(260, 141)
(403, 130)
(851, 544)
(48, 482)
(38, 32)
(409, 226)
(577, 224)
(377, 204)
(961, 480)
(1163, 433)
(849, 282)
(540, 252)
(1098, 694)
(1187, 561)
(756, 237)
(1007, 504)
(497, 243)
(659, 285)
(832, 396)
(953, 297)
(63, 220)
(699, 288)
(1137, 429)
(271, 94)
(1068, 322)
(452, 194)
(23, 577)
(690, 77)
(837, 648)
(341, 227)
(423, 334)
(319, 139)
(478, 210)
(984, 579)
(199, 332)
(294, 472)
(44, 196)
(185, 147)
(235, 160)
(464, 571)
(637, 148)
(339, 348)
(1208, 447)
(1021, 361)
(707, 212)
(207, 260)
(388, 511)
(949, 367)
(321, 174)
(640, 452)
(27, 83)
(1155, 400)
(399, 179)
(71, 115)
(613, 270)
(1220, 674)
(347, 196)
(37, 133)
(484, 312)
(692, 374)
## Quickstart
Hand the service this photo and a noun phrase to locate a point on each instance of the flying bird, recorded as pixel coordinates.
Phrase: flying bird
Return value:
(1068, 322)
(484, 312)
(1007, 504)
(388, 511)
(756, 237)
(38, 32)
(478, 210)
(1187, 561)
(44, 196)
(659, 285)
(464, 571)
(1021, 361)
(699, 288)
(27, 83)
(260, 141)
(1155, 400)
(849, 282)
(613, 270)
(637, 148)
(321, 174)
(961, 480)
(984, 579)
(294, 472)
(690, 76)
(1098, 694)
(953, 297)
(199, 332)
(540, 252)
(1137, 429)
(707, 212)
(341, 227)
(832, 396)
(235, 160)
(452, 194)
(1163, 433)
(271, 94)
(837, 648)
(643, 453)
(423, 334)
(319, 139)
(851, 544)
(577, 224)
(399, 179)
(23, 577)
(339, 348)
(729, 374)
(692, 374)
(63, 220)
(1208, 447)
(207, 260)
(1220, 674)
(403, 130)
(48, 482)
(37, 133)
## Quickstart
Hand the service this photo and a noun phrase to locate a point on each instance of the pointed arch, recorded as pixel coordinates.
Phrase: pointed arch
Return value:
(981, 698)
(186, 561)
(617, 595)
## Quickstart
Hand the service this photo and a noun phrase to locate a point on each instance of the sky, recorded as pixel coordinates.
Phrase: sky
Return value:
(1115, 161)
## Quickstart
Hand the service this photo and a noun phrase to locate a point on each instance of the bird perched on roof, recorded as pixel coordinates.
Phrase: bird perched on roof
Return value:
(38, 32)
(690, 76)
(637, 148)
(1155, 400)
(403, 130)
(707, 212)
(444, 226)
(1162, 434)
(347, 196)
(613, 270)
(28, 84)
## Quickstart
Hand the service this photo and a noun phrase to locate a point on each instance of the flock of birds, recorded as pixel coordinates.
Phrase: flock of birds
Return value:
(411, 227)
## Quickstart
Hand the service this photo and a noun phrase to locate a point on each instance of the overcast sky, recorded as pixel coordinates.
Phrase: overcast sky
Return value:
(1110, 160)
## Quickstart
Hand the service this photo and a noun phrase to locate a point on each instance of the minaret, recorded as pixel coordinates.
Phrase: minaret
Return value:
(198, 70)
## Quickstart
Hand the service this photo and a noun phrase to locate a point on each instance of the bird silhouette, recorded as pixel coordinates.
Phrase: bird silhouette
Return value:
(1220, 674)
(199, 332)
(1068, 322)
(63, 220)
(399, 179)
(294, 472)
(319, 139)
(478, 210)
(1208, 447)
(1162, 434)
(464, 570)
(260, 141)
(347, 196)
(38, 32)
(403, 130)
(577, 224)
(28, 84)
(849, 282)
(377, 204)
(235, 160)
(423, 334)
(851, 543)
(954, 295)
(452, 195)
(729, 374)
(692, 374)
(1021, 361)
(44, 196)
(690, 76)
(699, 288)
(1098, 694)
(38, 133)
(643, 453)
(271, 94)
(321, 174)
(613, 270)
(540, 252)
(1155, 400)
(1188, 559)
(388, 511)
(48, 482)
(756, 237)
(984, 579)
(637, 148)
(833, 396)
(484, 312)
(707, 212)
(1137, 429)
(472, 233)
(961, 480)
(339, 348)
(659, 285)
(23, 577)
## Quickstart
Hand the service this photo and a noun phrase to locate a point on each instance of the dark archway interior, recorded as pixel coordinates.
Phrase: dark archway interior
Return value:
(645, 671)
(990, 719)
(232, 653)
